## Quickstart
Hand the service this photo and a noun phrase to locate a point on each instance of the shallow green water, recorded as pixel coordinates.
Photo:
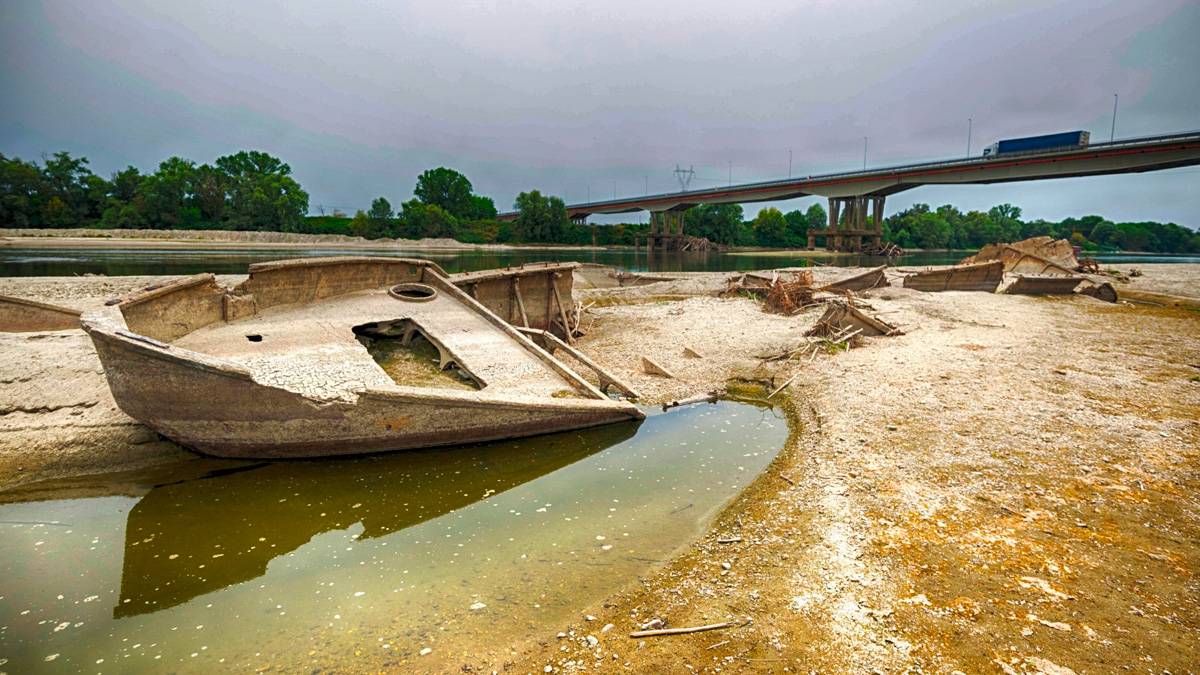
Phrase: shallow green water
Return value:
(360, 564)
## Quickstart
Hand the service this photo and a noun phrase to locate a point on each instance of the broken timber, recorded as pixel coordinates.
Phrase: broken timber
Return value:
(18, 315)
(984, 276)
(1043, 285)
(872, 278)
(840, 318)
(607, 379)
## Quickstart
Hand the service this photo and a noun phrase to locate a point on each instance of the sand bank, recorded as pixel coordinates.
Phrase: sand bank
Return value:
(1008, 487)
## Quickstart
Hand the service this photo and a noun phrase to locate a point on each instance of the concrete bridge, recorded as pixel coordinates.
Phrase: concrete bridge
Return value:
(852, 194)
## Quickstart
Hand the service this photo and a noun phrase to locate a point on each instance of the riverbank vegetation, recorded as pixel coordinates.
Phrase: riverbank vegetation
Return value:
(255, 191)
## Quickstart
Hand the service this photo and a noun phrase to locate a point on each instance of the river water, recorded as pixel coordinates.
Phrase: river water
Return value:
(408, 562)
(27, 262)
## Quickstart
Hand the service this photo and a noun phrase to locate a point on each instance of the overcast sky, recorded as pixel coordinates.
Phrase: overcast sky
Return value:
(360, 97)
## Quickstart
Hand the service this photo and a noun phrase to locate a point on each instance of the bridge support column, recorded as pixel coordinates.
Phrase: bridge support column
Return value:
(832, 240)
(877, 238)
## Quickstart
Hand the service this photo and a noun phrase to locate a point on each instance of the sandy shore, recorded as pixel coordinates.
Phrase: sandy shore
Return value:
(1009, 487)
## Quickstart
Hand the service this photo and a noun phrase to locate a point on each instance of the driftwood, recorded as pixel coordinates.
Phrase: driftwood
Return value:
(839, 319)
(783, 386)
(682, 631)
(709, 397)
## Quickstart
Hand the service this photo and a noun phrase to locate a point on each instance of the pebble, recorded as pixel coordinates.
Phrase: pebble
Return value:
(725, 566)
(548, 669)
(425, 651)
(607, 627)
(589, 617)
(562, 635)
(592, 640)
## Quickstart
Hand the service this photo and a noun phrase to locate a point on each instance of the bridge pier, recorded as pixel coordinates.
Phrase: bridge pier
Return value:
(663, 225)
(848, 223)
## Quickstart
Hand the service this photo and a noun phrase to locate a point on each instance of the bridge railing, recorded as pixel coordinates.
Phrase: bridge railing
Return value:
(881, 171)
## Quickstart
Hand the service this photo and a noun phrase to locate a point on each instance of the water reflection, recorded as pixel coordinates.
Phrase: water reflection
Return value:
(125, 262)
(192, 537)
(359, 564)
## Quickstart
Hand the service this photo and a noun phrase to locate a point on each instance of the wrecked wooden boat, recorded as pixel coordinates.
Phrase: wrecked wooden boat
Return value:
(984, 276)
(1036, 255)
(1029, 284)
(872, 278)
(18, 315)
(334, 356)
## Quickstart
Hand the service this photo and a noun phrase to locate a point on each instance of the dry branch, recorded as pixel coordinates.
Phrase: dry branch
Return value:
(682, 631)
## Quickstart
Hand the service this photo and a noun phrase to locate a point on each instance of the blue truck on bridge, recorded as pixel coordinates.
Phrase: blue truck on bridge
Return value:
(1063, 141)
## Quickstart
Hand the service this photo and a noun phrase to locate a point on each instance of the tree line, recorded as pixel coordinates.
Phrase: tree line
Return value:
(252, 190)
(244, 191)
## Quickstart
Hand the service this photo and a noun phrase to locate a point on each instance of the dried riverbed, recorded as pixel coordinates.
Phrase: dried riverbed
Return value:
(1010, 487)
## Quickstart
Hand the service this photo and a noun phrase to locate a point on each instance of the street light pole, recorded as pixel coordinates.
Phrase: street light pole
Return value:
(1113, 134)
(864, 153)
(968, 137)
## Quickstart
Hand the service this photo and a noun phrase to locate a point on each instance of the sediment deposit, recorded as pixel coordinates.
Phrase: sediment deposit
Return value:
(1009, 487)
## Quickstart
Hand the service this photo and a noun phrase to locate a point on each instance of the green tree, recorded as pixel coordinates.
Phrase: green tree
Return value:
(482, 208)
(262, 193)
(65, 177)
(421, 220)
(719, 223)
(1006, 219)
(381, 211)
(21, 193)
(797, 228)
(362, 226)
(210, 189)
(125, 184)
(447, 189)
(1104, 234)
(542, 218)
(770, 228)
(165, 192)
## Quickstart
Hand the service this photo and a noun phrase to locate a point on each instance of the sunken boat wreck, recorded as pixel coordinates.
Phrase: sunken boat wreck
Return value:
(333, 356)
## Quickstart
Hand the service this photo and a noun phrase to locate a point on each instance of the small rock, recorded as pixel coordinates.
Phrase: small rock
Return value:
(607, 627)
(478, 605)
(641, 644)
(589, 617)
(548, 669)
(592, 640)
(652, 624)
(425, 651)
(725, 566)
(562, 635)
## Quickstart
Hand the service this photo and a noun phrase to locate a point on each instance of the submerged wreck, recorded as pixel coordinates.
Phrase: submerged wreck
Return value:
(344, 355)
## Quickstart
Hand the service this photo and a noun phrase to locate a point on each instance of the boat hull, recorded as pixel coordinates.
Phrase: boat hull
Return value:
(222, 412)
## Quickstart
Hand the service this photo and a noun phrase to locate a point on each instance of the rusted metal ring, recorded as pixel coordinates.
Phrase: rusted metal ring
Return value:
(413, 292)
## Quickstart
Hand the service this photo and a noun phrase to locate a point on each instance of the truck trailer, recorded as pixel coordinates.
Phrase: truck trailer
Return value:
(1063, 141)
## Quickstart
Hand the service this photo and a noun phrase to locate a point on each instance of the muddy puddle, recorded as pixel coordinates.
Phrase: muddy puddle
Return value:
(417, 562)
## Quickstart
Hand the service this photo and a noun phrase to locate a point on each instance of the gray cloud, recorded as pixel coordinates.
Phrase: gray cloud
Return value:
(360, 97)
